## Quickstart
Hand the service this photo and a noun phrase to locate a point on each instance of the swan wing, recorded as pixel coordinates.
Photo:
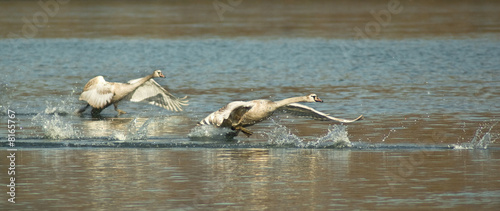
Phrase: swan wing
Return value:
(98, 92)
(227, 115)
(302, 110)
(152, 93)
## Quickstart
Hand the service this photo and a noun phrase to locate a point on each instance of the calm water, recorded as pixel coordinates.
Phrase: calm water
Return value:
(429, 140)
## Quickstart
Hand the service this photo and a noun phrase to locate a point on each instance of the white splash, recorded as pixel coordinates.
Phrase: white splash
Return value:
(66, 105)
(118, 136)
(133, 132)
(55, 127)
(282, 136)
(337, 137)
(210, 132)
(479, 141)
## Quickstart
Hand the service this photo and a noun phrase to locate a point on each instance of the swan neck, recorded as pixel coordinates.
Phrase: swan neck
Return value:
(128, 88)
(143, 80)
(289, 101)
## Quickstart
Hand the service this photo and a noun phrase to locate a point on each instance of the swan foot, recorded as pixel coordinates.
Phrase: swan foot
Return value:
(120, 112)
(247, 132)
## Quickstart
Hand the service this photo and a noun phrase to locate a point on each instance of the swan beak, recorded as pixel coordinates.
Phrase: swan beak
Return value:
(161, 75)
(318, 100)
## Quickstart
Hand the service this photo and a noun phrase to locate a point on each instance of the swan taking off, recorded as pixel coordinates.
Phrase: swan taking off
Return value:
(240, 114)
(100, 94)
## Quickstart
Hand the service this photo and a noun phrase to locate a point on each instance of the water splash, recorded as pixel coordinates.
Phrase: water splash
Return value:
(133, 131)
(211, 132)
(282, 136)
(4, 102)
(3, 110)
(62, 107)
(337, 137)
(480, 140)
(55, 127)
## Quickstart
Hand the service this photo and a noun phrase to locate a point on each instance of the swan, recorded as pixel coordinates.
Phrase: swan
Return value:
(99, 94)
(240, 114)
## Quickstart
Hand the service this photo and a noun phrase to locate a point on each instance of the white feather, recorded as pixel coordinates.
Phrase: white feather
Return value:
(218, 117)
(152, 93)
(302, 110)
(97, 92)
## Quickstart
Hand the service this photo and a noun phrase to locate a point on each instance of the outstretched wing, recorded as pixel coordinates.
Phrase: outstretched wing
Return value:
(302, 110)
(228, 114)
(97, 92)
(152, 93)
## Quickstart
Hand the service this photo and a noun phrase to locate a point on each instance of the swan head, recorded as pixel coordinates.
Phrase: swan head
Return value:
(313, 98)
(158, 74)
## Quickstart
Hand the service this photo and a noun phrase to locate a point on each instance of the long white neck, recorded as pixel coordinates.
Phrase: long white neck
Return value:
(287, 101)
(140, 82)
(126, 88)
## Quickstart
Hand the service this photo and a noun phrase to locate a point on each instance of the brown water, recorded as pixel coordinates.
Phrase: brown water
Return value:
(427, 83)
(285, 18)
(256, 179)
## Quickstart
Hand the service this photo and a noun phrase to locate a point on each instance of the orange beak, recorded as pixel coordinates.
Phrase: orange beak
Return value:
(318, 100)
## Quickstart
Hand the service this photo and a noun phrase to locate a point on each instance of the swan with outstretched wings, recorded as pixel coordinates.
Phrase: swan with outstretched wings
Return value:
(240, 114)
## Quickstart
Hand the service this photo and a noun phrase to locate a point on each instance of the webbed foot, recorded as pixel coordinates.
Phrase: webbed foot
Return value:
(120, 112)
(247, 132)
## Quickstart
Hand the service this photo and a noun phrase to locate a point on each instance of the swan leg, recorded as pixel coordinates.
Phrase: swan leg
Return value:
(96, 112)
(118, 110)
(247, 132)
(81, 110)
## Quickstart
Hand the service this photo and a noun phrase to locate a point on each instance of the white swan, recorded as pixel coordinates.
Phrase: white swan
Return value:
(239, 114)
(100, 94)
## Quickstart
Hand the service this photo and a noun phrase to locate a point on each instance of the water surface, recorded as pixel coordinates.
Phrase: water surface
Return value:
(428, 85)
(257, 179)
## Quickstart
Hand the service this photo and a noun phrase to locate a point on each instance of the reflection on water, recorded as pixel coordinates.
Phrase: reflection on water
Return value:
(256, 179)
